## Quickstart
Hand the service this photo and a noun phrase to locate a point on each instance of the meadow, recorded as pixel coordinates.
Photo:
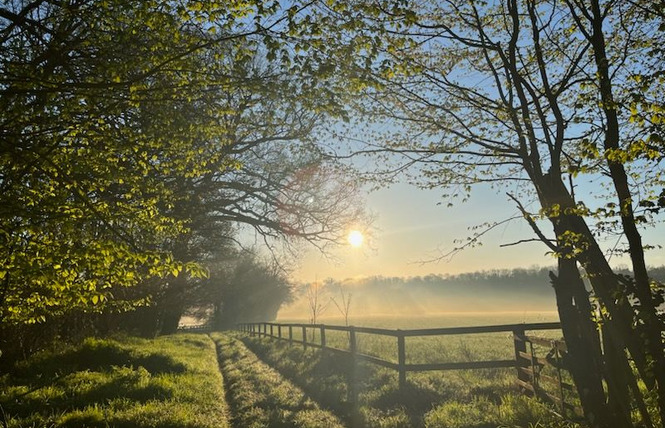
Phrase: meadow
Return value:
(229, 379)
(260, 397)
(434, 349)
(461, 398)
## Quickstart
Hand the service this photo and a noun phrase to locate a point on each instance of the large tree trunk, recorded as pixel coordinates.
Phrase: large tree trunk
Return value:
(586, 360)
(170, 319)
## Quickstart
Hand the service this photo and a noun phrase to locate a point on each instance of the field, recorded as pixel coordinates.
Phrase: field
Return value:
(433, 349)
(462, 398)
(232, 379)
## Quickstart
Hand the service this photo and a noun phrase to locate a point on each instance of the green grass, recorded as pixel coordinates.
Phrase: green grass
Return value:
(464, 398)
(434, 349)
(172, 381)
(260, 397)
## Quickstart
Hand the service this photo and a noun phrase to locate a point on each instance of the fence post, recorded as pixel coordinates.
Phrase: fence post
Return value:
(401, 360)
(304, 337)
(323, 336)
(279, 330)
(271, 333)
(353, 348)
(519, 337)
(265, 329)
(290, 335)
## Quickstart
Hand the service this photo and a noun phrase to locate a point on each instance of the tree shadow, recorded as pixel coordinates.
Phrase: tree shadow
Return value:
(91, 375)
(93, 355)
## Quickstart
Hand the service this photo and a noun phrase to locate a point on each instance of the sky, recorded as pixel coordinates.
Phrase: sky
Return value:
(410, 227)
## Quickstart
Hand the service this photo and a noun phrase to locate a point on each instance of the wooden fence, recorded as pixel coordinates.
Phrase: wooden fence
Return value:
(528, 365)
(199, 328)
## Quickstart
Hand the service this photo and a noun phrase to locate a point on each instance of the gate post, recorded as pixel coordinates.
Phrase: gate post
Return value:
(401, 360)
(519, 337)
(304, 337)
(353, 348)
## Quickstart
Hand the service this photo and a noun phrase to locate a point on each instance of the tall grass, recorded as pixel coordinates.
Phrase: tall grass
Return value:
(169, 382)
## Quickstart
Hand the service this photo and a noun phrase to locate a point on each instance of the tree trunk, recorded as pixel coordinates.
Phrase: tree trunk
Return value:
(170, 320)
(586, 361)
(584, 358)
(651, 325)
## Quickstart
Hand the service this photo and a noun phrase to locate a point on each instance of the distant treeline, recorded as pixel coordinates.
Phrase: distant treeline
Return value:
(520, 289)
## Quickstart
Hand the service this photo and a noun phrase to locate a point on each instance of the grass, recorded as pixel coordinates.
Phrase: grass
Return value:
(172, 381)
(260, 397)
(175, 381)
(465, 398)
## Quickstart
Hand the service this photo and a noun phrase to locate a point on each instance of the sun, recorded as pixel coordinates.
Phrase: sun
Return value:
(355, 238)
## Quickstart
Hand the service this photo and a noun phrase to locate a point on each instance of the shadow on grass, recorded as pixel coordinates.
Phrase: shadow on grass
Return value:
(93, 355)
(93, 374)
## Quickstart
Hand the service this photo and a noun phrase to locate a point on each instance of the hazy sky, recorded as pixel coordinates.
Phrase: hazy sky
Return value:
(411, 228)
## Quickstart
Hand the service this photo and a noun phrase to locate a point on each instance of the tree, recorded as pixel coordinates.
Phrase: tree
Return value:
(250, 290)
(115, 117)
(521, 92)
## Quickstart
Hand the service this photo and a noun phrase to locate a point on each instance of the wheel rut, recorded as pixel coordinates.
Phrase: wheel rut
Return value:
(258, 396)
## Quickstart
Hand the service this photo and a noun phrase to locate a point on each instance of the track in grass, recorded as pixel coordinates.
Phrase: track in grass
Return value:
(261, 397)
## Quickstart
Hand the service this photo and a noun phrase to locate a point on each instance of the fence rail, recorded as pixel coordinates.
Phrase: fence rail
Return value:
(199, 328)
(528, 366)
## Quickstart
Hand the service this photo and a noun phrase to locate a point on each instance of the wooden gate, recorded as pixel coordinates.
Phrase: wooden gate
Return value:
(541, 371)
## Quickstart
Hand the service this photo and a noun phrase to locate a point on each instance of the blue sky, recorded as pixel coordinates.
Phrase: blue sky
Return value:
(411, 227)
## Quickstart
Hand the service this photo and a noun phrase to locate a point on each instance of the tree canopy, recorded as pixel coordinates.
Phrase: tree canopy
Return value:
(130, 128)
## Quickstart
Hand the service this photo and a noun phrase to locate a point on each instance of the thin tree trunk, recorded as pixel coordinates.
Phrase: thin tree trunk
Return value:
(584, 358)
(646, 310)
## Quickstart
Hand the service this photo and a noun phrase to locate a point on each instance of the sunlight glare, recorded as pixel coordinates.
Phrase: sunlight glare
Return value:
(355, 238)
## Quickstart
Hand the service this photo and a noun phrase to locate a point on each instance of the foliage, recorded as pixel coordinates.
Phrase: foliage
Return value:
(123, 382)
(131, 131)
(537, 96)
(249, 290)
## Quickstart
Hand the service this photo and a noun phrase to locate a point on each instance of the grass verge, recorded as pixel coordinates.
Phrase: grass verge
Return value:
(168, 382)
(260, 397)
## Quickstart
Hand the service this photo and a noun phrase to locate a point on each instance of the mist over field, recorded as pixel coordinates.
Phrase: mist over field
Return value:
(515, 290)
(518, 290)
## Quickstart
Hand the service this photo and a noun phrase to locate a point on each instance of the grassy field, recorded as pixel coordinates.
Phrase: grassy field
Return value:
(447, 319)
(168, 382)
(435, 349)
(465, 398)
(186, 380)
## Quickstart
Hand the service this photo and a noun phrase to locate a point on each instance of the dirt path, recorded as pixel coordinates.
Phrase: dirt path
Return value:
(259, 396)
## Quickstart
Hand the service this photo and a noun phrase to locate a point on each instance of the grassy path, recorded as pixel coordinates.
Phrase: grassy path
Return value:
(259, 396)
